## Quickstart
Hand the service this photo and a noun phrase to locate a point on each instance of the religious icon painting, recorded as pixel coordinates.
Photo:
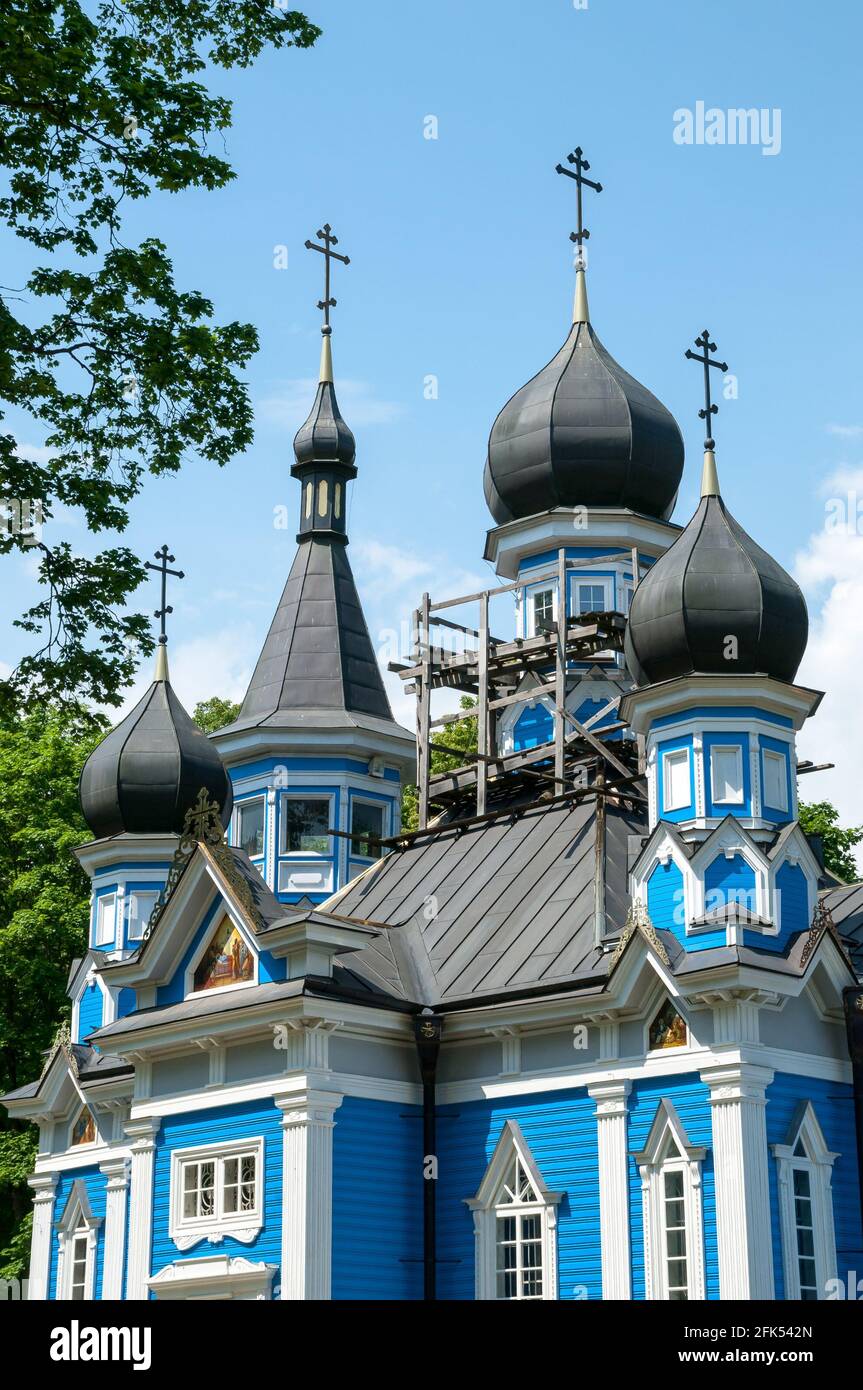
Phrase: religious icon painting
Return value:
(668, 1029)
(226, 961)
(84, 1129)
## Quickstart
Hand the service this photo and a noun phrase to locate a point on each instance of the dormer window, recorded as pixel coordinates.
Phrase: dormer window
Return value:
(106, 919)
(139, 905)
(249, 822)
(542, 606)
(226, 961)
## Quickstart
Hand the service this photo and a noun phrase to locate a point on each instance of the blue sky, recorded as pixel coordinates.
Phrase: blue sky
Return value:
(461, 267)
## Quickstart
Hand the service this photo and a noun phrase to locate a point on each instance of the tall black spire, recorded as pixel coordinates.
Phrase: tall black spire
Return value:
(318, 658)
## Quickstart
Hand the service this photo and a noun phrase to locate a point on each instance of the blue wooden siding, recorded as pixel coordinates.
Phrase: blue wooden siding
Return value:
(665, 904)
(377, 1201)
(533, 727)
(96, 1195)
(90, 1011)
(834, 1109)
(560, 1129)
(729, 881)
(690, 1098)
(225, 1122)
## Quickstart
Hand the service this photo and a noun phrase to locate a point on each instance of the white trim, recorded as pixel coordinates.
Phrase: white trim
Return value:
(242, 805)
(819, 1165)
(142, 1134)
(298, 793)
(669, 755)
(77, 1218)
(487, 1208)
(100, 937)
(307, 1193)
(214, 1277)
(743, 1230)
(116, 1174)
(611, 1105)
(44, 1187)
(242, 1226)
(668, 1150)
(736, 750)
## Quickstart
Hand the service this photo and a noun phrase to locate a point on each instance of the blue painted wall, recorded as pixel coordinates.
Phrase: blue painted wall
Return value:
(729, 881)
(560, 1130)
(377, 1201)
(225, 1122)
(833, 1106)
(793, 905)
(533, 727)
(95, 1182)
(665, 904)
(690, 1098)
(90, 1011)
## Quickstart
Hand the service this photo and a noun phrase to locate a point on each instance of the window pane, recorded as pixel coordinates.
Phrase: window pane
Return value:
(106, 919)
(250, 826)
(139, 908)
(543, 609)
(591, 598)
(366, 820)
(727, 775)
(306, 825)
(775, 781)
(676, 776)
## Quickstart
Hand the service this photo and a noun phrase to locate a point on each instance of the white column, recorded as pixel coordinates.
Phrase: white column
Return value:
(142, 1134)
(43, 1185)
(740, 1159)
(307, 1193)
(116, 1192)
(611, 1101)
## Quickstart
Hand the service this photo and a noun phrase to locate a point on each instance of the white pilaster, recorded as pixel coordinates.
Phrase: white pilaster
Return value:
(307, 1193)
(611, 1102)
(43, 1185)
(116, 1193)
(740, 1159)
(142, 1136)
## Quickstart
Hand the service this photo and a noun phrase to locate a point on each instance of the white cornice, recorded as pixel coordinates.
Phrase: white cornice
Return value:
(641, 707)
(508, 545)
(125, 849)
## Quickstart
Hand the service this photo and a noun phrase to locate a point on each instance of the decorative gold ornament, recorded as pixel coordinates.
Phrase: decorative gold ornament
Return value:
(202, 826)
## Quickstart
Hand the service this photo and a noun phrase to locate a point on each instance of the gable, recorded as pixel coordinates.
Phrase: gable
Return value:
(220, 952)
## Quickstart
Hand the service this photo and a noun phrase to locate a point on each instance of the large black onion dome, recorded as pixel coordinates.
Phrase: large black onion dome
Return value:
(583, 432)
(325, 437)
(714, 583)
(145, 774)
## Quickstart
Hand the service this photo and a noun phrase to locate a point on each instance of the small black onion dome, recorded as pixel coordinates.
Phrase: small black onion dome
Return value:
(713, 583)
(583, 432)
(145, 774)
(325, 437)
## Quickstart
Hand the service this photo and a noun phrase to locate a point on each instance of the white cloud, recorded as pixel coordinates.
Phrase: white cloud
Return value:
(35, 453)
(218, 664)
(291, 403)
(830, 569)
(846, 431)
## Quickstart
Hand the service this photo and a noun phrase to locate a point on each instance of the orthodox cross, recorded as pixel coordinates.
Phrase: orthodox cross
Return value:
(581, 164)
(707, 362)
(326, 235)
(165, 559)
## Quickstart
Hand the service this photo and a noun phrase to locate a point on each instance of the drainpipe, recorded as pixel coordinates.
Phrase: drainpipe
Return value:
(427, 1032)
(853, 1001)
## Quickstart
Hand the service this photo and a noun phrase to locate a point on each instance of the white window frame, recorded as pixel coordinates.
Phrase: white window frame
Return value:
(596, 581)
(242, 1226)
(530, 593)
(384, 809)
(286, 853)
(668, 1150)
(819, 1165)
(667, 756)
(241, 806)
(131, 896)
(771, 758)
(487, 1211)
(77, 1222)
(100, 938)
(737, 751)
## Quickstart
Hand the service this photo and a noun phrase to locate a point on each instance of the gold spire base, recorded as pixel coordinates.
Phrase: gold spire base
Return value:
(326, 373)
(580, 312)
(161, 662)
(709, 475)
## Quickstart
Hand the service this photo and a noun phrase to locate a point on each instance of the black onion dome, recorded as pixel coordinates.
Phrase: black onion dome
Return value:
(583, 432)
(713, 583)
(325, 437)
(145, 774)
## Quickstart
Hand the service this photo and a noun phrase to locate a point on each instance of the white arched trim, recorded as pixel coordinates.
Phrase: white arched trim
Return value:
(804, 1168)
(672, 1208)
(515, 1225)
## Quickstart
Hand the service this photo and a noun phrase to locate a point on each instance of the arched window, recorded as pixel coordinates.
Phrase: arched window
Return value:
(78, 1233)
(670, 1169)
(805, 1171)
(515, 1219)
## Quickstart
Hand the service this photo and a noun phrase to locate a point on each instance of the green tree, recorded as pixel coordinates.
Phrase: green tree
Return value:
(215, 713)
(124, 373)
(822, 818)
(460, 735)
(44, 898)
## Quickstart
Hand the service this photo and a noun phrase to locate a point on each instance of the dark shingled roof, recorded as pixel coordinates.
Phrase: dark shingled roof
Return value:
(846, 909)
(583, 432)
(318, 654)
(715, 581)
(498, 908)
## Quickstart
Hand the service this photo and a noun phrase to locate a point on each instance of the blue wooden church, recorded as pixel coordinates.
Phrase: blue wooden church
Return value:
(583, 1033)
